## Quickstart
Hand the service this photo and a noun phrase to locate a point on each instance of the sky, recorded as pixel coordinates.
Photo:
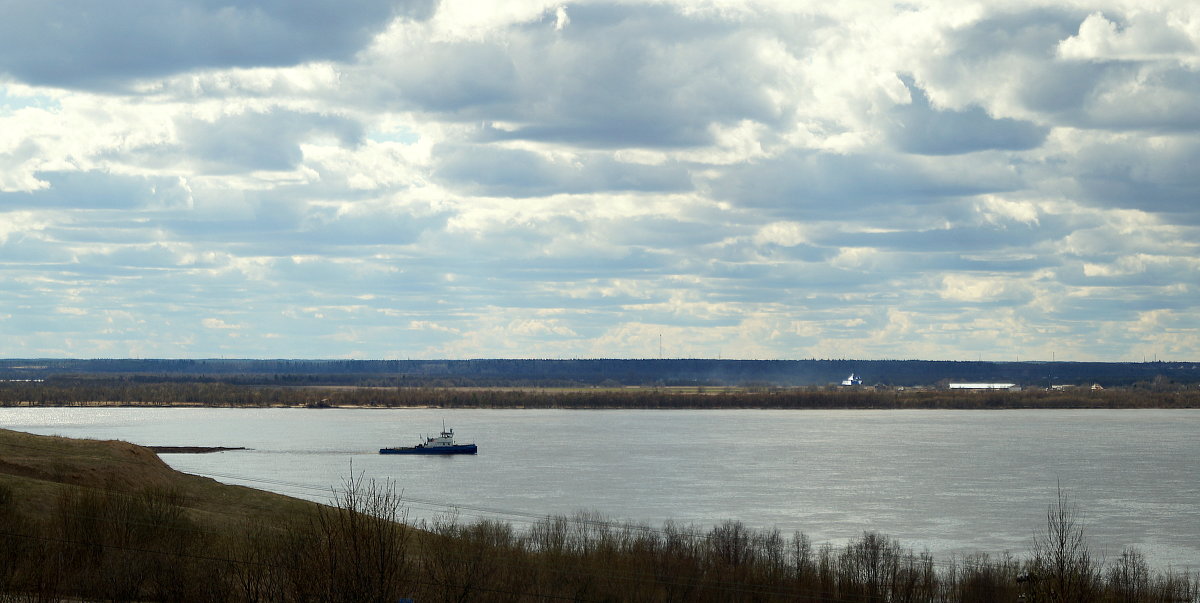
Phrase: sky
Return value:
(392, 179)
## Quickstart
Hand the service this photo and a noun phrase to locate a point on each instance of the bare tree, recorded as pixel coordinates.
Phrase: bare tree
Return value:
(1062, 569)
(1129, 576)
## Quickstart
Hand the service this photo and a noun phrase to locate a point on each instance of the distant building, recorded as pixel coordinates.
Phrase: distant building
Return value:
(852, 380)
(1012, 387)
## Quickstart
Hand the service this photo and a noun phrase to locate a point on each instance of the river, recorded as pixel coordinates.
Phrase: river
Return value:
(951, 482)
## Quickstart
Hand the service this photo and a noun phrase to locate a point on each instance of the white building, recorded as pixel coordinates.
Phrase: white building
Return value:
(986, 386)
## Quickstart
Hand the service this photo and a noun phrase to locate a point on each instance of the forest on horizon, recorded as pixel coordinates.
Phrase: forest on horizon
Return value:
(606, 372)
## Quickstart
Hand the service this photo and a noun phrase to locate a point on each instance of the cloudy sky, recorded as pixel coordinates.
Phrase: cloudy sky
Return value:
(466, 179)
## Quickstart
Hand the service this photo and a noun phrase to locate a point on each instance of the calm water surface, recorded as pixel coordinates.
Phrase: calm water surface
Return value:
(946, 481)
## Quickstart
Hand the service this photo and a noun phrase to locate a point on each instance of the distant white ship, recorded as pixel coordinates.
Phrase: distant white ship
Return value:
(852, 380)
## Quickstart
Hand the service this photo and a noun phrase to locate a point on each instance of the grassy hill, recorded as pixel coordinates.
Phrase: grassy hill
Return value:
(109, 520)
(44, 469)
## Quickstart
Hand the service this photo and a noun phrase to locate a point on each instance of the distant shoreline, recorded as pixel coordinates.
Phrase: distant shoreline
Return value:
(1187, 403)
(599, 384)
(106, 392)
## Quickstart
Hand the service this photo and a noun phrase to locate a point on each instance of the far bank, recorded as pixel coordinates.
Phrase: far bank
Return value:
(108, 392)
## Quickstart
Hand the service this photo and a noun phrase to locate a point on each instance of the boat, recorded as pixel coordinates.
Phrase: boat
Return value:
(443, 444)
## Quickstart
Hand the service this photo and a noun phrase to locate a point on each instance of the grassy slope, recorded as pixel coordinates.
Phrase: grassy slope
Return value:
(39, 468)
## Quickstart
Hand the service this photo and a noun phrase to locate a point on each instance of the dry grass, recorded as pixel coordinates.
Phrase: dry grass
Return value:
(42, 468)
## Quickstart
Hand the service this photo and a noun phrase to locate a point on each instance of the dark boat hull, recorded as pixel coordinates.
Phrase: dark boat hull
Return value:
(461, 449)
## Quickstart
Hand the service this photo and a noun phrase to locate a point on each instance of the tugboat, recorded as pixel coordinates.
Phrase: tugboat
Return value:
(443, 444)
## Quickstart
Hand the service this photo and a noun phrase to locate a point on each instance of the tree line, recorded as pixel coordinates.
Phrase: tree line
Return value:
(666, 371)
(105, 545)
(125, 391)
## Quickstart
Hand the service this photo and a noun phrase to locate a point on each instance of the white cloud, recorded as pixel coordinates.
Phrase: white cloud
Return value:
(217, 323)
(561, 19)
(977, 289)
(540, 179)
(1148, 35)
(788, 234)
(422, 325)
(70, 44)
(998, 210)
(21, 222)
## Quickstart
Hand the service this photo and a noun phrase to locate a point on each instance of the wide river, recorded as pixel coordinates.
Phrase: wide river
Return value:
(951, 482)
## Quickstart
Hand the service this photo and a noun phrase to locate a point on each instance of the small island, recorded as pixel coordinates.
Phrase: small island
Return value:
(192, 449)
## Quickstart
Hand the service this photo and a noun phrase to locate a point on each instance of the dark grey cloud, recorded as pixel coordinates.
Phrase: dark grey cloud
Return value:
(1153, 176)
(688, 232)
(1061, 89)
(617, 76)
(556, 249)
(1034, 32)
(468, 80)
(89, 44)
(260, 141)
(791, 282)
(279, 226)
(370, 225)
(1115, 95)
(496, 171)
(567, 248)
(125, 212)
(98, 190)
(1120, 305)
(810, 184)
(1019, 49)
(920, 128)
(1022, 50)
(251, 218)
(1164, 100)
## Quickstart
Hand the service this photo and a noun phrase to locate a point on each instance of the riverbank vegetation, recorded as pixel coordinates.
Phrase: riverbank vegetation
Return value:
(144, 392)
(108, 521)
